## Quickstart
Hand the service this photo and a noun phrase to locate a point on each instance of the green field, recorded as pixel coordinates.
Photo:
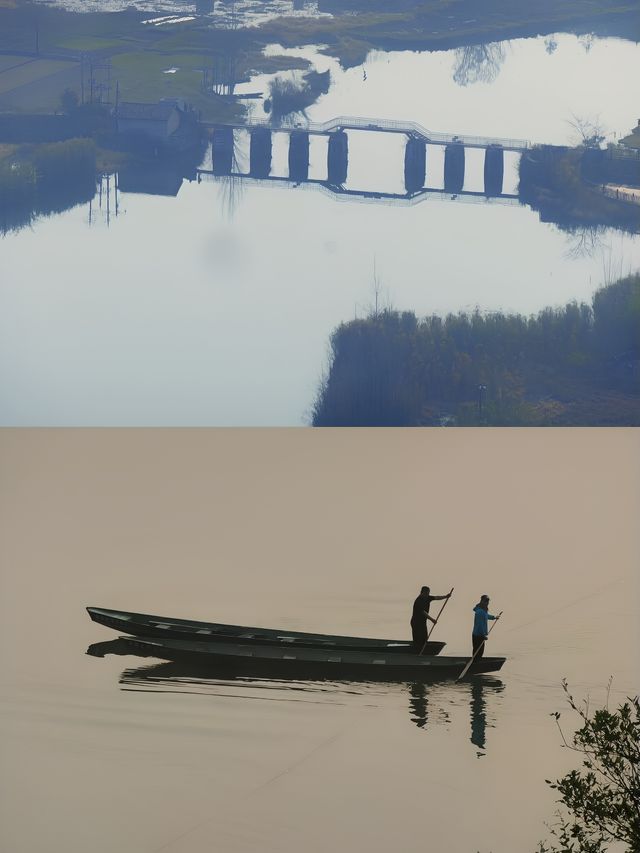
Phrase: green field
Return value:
(11, 61)
(141, 77)
(86, 44)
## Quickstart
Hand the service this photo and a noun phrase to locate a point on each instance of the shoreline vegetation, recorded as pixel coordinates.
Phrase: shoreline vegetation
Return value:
(600, 801)
(38, 180)
(566, 186)
(42, 178)
(359, 26)
(573, 366)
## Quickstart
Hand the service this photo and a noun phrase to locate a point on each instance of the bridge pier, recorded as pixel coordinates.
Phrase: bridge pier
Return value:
(493, 170)
(260, 152)
(454, 167)
(222, 150)
(298, 155)
(337, 158)
(415, 164)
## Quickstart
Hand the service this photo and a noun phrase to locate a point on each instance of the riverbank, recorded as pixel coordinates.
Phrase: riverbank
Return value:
(434, 26)
(568, 186)
(38, 179)
(41, 47)
(575, 366)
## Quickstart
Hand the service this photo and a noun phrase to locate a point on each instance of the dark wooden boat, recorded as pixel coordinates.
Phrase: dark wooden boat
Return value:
(144, 625)
(278, 662)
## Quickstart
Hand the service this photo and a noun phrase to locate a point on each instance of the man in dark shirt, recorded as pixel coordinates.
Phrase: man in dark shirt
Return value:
(420, 615)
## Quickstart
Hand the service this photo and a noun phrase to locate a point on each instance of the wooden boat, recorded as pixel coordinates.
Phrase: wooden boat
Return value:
(144, 625)
(278, 662)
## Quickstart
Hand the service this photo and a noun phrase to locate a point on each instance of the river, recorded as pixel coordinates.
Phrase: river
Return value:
(215, 307)
(329, 530)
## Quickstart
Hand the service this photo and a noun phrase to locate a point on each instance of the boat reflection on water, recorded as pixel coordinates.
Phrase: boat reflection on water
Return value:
(198, 678)
(428, 700)
(108, 647)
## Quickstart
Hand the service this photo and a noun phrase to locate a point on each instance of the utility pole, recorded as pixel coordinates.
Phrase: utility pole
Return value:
(481, 390)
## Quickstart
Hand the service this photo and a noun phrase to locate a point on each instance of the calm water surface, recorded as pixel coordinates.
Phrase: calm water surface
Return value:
(215, 307)
(317, 530)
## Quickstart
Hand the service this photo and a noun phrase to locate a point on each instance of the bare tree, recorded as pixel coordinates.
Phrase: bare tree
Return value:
(588, 131)
(478, 63)
(585, 241)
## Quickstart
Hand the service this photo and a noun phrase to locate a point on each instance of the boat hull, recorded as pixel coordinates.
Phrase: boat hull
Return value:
(275, 662)
(145, 625)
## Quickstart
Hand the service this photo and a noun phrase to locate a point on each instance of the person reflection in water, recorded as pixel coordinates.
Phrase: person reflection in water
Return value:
(480, 626)
(481, 688)
(418, 704)
(419, 617)
(478, 717)
(423, 712)
(419, 710)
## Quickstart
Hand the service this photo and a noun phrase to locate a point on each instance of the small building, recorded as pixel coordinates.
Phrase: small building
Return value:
(170, 122)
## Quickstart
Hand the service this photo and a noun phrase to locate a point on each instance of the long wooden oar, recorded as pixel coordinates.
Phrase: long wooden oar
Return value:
(430, 632)
(481, 646)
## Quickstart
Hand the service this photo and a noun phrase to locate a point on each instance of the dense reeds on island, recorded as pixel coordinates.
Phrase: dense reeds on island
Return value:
(577, 365)
(45, 178)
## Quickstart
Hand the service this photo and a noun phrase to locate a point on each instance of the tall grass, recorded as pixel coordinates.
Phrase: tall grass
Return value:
(43, 179)
(392, 369)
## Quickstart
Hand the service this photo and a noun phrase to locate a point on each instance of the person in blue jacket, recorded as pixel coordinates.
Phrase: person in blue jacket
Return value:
(480, 626)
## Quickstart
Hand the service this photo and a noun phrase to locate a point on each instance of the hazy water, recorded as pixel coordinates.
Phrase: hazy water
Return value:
(216, 307)
(331, 530)
(523, 88)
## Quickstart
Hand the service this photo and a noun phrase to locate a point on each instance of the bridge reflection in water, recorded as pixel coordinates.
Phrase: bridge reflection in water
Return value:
(420, 178)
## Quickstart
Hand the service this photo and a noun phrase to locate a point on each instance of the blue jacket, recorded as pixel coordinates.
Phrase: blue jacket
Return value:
(480, 627)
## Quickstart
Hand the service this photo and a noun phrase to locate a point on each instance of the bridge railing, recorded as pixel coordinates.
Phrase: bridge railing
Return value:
(391, 125)
(414, 127)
